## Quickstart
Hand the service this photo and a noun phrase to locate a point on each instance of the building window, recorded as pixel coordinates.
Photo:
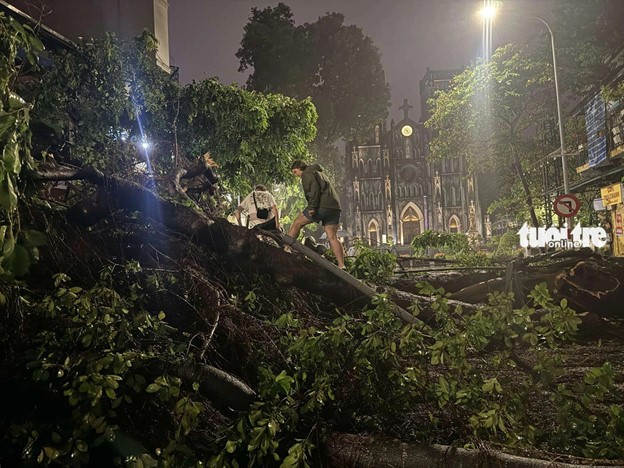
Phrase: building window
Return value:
(373, 233)
(410, 225)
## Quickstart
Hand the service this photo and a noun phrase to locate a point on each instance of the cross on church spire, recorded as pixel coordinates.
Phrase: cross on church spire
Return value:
(405, 108)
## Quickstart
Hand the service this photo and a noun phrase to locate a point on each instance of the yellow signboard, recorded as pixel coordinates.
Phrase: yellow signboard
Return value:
(611, 195)
(618, 232)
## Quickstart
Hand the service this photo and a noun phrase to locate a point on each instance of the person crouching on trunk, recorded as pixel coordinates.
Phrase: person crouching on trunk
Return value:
(323, 205)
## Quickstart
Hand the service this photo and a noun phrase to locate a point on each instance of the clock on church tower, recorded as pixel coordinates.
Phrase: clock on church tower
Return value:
(406, 130)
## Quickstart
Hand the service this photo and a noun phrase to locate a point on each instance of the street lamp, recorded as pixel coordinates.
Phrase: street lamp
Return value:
(564, 162)
(488, 12)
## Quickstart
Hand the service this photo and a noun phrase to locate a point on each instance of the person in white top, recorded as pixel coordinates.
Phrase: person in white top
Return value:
(261, 210)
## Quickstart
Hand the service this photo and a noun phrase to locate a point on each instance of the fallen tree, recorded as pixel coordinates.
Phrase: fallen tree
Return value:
(210, 260)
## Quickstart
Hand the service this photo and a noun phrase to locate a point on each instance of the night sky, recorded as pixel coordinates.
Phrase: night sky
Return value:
(411, 35)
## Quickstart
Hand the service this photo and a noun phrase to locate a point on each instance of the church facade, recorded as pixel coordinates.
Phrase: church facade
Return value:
(393, 192)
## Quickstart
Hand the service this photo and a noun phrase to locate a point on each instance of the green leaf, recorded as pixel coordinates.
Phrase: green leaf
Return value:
(230, 446)
(86, 340)
(19, 261)
(284, 381)
(152, 388)
(51, 452)
(34, 238)
(8, 197)
(7, 121)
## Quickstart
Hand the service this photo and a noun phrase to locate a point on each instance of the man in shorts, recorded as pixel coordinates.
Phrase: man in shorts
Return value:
(323, 205)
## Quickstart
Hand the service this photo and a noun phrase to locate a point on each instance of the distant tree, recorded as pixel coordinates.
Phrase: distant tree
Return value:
(334, 64)
(587, 33)
(489, 117)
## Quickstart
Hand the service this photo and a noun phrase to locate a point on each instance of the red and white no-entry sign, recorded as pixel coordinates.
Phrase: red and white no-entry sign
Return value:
(567, 205)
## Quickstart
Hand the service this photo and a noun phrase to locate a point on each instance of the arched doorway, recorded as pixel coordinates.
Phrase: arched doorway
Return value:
(373, 233)
(454, 225)
(411, 223)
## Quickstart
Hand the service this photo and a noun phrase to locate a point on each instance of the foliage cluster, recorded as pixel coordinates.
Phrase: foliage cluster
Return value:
(374, 373)
(507, 245)
(335, 64)
(437, 240)
(105, 99)
(613, 93)
(96, 360)
(18, 248)
(454, 246)
(486, 115)
(376, 265)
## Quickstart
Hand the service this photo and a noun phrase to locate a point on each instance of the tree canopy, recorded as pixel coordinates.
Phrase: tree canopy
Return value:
(336, 65)
(116, 86)
(490, 112)
(587, 34)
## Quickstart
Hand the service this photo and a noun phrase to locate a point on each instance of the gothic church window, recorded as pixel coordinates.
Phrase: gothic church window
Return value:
(373, 232)
(408, 148)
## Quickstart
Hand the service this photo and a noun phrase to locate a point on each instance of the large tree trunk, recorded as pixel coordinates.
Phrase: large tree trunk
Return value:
(377, 451)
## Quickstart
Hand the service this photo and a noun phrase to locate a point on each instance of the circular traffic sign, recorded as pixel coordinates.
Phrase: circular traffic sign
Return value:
(567, 205)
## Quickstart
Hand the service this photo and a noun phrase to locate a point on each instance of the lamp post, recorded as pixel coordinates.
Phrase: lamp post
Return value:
(564, 162)
(488, 13)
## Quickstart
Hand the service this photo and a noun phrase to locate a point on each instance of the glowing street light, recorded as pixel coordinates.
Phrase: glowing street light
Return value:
(488, 12)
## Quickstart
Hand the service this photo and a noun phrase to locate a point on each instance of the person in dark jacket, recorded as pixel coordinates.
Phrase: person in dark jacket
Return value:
(323, 205)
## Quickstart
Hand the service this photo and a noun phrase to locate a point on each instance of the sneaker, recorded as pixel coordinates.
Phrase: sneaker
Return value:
(310, 243)
(320, 249)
